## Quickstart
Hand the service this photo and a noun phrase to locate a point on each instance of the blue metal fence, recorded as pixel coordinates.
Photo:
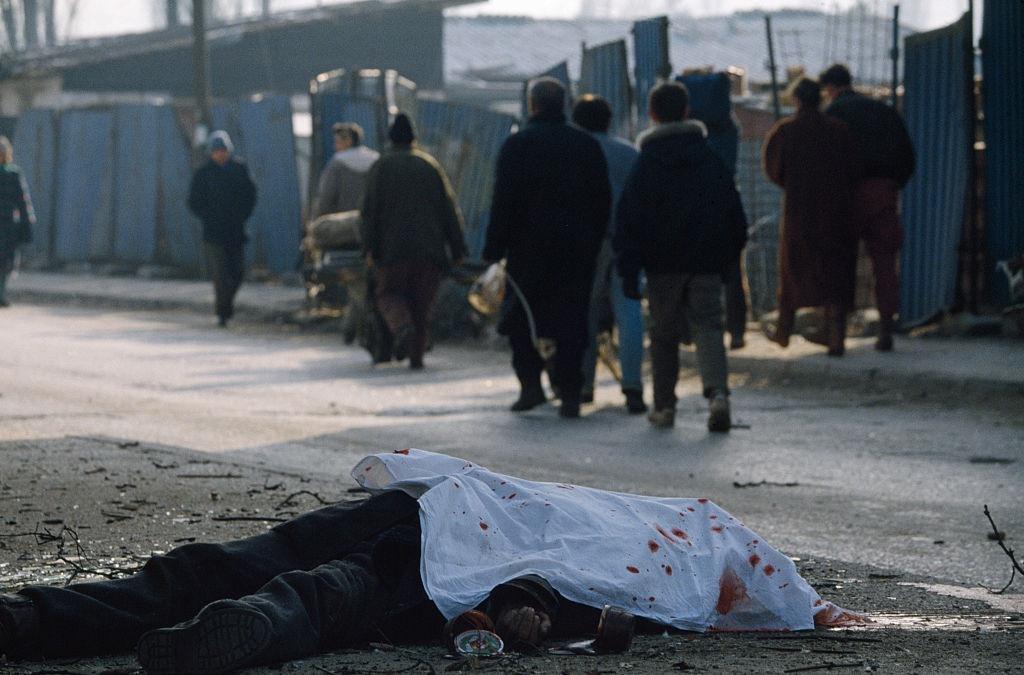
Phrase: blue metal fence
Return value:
(35, 150)
(466, 141)
(263, 136)
(937, 108)
(84, 217)
(605, 70)
(1003, 69)
(651, 61)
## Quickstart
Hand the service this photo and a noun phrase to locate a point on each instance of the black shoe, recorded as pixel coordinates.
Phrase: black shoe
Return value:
(225, 636)
(570, 408)
(415, 364)
(19, 627)
(587, 396)
(403, 340)
(222, 321)
(528, 400)
(635, 402)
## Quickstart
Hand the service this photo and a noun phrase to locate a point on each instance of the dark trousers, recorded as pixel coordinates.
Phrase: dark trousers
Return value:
(227, 269)
(6, 267)
(876, 207)
(110, 616)
(567, 363)
(405, 295)
(735, 301)
(675, 302)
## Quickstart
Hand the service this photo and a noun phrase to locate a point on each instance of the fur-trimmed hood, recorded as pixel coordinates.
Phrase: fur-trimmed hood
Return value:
(672, 129)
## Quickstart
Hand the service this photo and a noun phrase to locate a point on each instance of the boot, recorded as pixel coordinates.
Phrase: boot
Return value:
(635, 401)
(529, 398)
(719, 417)
(884, 343)
(835, 324)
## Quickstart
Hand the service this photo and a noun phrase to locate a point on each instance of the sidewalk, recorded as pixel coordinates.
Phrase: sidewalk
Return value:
(957, 365)
(255, 301)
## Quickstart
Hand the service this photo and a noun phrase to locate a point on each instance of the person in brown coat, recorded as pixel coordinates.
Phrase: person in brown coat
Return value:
(808, 156)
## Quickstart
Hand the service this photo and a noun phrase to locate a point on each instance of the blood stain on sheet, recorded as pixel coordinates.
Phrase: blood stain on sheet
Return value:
(632, 570)
(731, 591)
(703, 500)
(679, 533)
(754, 559)
(668, 570)
(769, 570)
(653, 545)
(663, 533)
(483, 526)
(718, 529)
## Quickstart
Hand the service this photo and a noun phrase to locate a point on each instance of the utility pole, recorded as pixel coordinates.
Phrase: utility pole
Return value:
(771, 67)
(49, 23)
(30, 23)
(171, 13)
(200, 71)
(895, 53)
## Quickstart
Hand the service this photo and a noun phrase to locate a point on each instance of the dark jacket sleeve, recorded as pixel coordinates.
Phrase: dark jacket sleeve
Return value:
(505, 202)
(600, 203)
(23, 202)
(906, 159)
(771, 156)
(247, 199)
(628, 237)
(198, 198)
(369, 225)
(737, 220)
(450, 216)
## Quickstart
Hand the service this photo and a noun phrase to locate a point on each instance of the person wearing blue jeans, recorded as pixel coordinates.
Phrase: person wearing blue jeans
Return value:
(594, 114)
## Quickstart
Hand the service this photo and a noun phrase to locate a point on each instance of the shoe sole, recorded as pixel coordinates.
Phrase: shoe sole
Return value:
(218, 641)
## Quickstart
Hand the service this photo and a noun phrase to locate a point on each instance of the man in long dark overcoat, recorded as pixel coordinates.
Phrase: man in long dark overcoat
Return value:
(885, 162)
(551, 206)
(223, 196)
(810, 156)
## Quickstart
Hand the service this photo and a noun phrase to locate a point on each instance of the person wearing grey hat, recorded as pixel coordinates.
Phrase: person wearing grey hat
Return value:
(222, 196)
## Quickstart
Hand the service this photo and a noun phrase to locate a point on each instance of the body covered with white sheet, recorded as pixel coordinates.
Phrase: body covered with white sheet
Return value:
(685, 563)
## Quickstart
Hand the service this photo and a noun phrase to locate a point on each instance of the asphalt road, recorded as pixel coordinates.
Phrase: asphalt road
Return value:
(869, 476)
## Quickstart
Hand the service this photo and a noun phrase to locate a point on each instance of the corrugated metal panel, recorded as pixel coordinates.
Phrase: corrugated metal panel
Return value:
(136, 175)
(561, 73)
(35, 151)
(466, 141)
(762, 200)
(179, 233)
(938, 119)
(84, 218)
(711, 103)
(262, 132)
(605, 71)
(651, 61)
(1003, 69)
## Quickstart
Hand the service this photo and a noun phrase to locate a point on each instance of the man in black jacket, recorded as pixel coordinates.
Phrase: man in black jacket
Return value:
(222, 195)
(681, 221)
(885, 161)
(550, 210)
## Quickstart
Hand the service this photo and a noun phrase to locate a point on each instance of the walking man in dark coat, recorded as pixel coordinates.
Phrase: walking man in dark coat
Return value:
(885, 157)
(222, 195)
(412, 232)
(810, 156)
(16, 214)
(549, 213)
(680, 220)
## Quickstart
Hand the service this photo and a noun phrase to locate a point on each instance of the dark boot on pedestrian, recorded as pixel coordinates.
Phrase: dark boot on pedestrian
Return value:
(719, 416)
(662, 419)
(635, 401)
(836, 326)
(403, 341)
(886, 326)
(529, 398)
(570, 408)
(19, 627)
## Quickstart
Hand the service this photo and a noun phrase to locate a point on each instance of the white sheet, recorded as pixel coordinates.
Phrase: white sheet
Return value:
(681, 562)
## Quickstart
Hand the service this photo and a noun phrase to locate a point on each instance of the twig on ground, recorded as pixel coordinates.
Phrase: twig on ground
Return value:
(764, 483)
(825, 666)
(1008, 551)
(255, 519)
(289, 500)
(209, 475)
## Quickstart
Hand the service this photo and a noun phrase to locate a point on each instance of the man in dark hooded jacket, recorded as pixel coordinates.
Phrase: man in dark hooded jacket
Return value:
(681, 221)
(549, 214)
(222, 195)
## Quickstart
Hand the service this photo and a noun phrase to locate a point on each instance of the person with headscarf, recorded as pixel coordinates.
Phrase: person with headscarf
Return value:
(16, 215)
(412, 233)
(223, 196)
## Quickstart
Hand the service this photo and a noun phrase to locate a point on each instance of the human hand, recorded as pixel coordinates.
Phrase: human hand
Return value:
(519, 625)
